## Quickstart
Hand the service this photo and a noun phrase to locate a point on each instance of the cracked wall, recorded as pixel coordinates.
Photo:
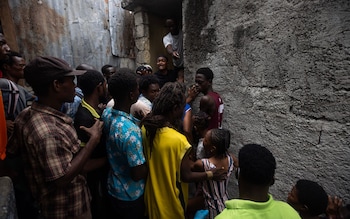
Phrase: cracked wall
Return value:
(282, 68)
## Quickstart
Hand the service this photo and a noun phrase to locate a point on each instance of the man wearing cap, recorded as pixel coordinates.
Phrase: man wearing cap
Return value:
(48, 143)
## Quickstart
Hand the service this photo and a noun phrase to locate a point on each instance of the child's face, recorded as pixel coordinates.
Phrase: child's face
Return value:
(208, 146)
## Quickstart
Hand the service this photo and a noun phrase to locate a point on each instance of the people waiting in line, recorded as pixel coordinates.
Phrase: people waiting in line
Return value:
(108, 70)
(308, 198)
(93, 85)
(216, 143)
(71, 108)
(211, 102)
(15, 99)
(256, 173)
(48, 144)
(149, 89)
(167, 154)
(126, 178)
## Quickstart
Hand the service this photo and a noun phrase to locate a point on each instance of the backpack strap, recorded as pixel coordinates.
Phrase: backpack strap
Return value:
(13, 94)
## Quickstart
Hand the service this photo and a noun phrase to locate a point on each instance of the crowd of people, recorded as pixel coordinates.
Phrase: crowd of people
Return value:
(124, 143)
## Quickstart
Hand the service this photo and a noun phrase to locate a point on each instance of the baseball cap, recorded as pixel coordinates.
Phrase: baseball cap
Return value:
(44, 69)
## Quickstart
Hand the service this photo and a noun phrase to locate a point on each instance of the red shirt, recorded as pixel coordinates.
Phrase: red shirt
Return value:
(216, 117)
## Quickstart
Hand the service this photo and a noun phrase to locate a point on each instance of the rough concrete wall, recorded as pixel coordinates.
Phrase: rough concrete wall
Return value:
(282, 68)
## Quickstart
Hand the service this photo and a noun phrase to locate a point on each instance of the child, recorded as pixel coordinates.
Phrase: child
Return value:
(200, 128)
(216, 142)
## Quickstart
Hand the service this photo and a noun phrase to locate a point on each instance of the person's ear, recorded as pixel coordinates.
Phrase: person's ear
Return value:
(6, 67)
(56, 85)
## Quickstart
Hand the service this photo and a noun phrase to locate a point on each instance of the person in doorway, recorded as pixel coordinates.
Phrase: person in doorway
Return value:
(256, 173)
(173, 43)
(164, 74)
(48, 143)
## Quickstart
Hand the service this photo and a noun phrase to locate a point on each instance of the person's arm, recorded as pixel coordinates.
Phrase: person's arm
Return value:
(139, 172)
(187, 125)
(198, 166)
(93, 164)
(83, 155)
(187, 175)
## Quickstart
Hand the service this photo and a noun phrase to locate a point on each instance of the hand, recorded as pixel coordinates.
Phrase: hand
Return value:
(334, 204)
(219, 174)
(139, 115)
(94, 131)
(176, 55)
(192, 93)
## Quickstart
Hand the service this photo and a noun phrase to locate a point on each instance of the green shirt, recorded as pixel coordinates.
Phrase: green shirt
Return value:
(272, 209)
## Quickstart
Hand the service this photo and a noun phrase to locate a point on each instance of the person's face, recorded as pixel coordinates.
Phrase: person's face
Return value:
(4, 48)
(172, 26)
(293, 200)
(16, 70)
(207, 144)
(103, 92)
(202, 83)
(67, 89)
(152, 92)
(109, 72)
(162, 63)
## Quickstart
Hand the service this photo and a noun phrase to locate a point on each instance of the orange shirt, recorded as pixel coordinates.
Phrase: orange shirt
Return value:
(3, 130)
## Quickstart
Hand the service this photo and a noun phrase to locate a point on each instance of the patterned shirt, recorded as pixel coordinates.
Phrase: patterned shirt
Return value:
(124, 150)
(47, 142)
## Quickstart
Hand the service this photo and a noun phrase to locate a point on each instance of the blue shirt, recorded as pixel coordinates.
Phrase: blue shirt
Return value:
(124, 150)
(71, 108)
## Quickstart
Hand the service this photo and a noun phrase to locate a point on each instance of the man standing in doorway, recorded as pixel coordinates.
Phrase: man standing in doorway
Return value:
(173, 42)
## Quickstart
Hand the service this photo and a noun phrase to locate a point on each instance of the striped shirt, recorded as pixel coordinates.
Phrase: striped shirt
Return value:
(47, 142)
(215, 192)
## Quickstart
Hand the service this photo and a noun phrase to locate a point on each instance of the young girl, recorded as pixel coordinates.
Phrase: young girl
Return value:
(216, 142)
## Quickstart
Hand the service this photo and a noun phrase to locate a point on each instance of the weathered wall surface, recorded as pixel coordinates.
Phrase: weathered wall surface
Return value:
(96, 32)
(283, 70)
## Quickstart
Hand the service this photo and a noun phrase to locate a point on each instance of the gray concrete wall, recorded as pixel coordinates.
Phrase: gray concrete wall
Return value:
(282, 68)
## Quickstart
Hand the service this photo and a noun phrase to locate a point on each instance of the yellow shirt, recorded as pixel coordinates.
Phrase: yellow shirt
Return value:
(165, 195)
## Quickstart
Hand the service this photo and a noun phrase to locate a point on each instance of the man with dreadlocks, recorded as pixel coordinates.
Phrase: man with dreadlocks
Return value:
(167, 154)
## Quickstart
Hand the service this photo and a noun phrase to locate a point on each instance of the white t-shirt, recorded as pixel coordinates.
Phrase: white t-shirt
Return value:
(177, 43)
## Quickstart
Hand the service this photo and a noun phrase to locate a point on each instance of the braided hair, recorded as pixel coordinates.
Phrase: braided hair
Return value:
(170, 96)
(221, 138)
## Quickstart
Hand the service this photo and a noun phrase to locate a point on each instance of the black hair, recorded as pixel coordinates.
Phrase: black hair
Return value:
(89, 81)
(221, 139)
(146, 81)
(122, 83)
(257, 164)
(9, 59)
(312, 195)
(207, 72)
(170, 95)
(163, 56)
(105, 67)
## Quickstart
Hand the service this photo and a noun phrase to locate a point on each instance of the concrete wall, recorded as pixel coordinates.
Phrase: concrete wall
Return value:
(282, 68)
